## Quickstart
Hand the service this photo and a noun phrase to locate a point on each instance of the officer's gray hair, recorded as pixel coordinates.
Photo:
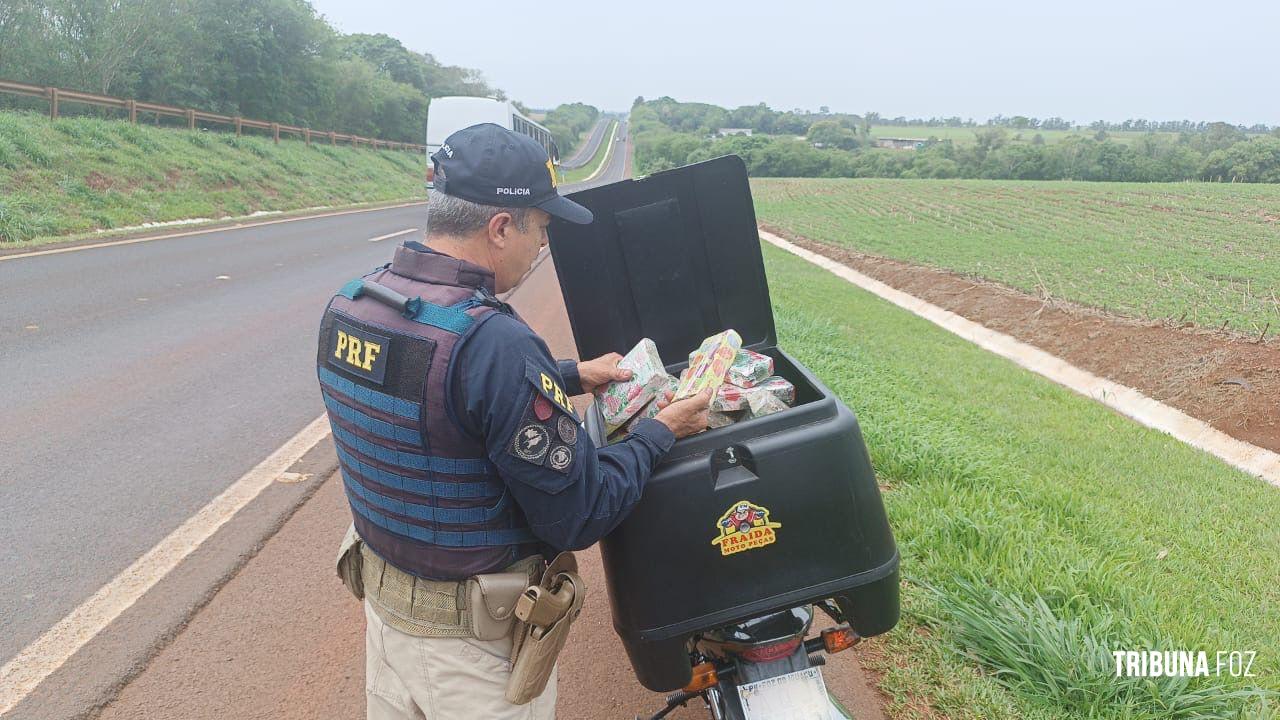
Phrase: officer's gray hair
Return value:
(455, 217)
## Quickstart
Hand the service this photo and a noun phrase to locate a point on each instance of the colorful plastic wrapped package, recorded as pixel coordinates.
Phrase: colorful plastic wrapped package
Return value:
(651, 409)
(619, 401)
(709, 364)
(730, 397)
(720, 419)
(749, 368)
(762, 402)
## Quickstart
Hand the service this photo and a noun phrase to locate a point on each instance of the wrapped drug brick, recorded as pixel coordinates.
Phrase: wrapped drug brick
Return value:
(717, 419)
(709, 364)
(749, 368)
(761, 402)
(730, 397)
(620, 400)
(780, 388)
(651, 409)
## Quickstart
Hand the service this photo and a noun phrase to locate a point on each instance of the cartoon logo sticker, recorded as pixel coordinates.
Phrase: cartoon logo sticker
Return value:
(745, 526)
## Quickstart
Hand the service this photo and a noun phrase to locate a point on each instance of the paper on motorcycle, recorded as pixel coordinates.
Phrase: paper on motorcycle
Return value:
(795, 696)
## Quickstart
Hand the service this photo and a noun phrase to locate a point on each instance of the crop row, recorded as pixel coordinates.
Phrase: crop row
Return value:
(1206, 253)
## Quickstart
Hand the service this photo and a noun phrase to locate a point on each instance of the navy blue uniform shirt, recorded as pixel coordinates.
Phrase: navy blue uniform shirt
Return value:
(507, 390)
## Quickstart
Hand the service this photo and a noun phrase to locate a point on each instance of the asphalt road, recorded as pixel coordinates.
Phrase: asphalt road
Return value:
(588, 148)
(141, 380)
(616, 169)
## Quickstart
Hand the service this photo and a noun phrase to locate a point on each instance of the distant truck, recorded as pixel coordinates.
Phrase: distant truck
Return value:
(447, 115)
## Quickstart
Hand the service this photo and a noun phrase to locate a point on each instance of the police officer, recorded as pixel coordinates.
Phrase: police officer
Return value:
(460, 452)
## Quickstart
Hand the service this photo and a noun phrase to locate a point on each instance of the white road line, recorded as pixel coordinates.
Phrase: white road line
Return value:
(1154, 414)
(237, 226)
(37, 661)
(608, 153)
(391, 235)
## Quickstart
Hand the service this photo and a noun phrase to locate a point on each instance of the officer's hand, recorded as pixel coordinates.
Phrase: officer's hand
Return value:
(687, 417)
(601, 371)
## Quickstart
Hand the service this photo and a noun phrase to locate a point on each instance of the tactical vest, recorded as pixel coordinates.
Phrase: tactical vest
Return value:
(423, 494)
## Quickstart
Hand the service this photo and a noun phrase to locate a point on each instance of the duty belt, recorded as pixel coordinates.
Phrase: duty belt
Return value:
(421, 607)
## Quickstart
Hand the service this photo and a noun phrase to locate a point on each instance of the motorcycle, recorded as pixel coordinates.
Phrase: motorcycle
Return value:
(765, 667)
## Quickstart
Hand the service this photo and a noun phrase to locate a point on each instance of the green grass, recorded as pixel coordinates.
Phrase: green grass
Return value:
(1036, 526)
(1204, 251)
(77, 175)
(579, 174)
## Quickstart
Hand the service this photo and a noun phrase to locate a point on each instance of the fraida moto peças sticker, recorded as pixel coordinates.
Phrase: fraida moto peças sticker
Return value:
(745, 526)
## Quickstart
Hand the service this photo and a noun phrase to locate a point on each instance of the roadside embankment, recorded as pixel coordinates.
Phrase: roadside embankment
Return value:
(79, 175)
(1039, 530)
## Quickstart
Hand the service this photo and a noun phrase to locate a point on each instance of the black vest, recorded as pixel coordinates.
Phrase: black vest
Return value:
(423, 493)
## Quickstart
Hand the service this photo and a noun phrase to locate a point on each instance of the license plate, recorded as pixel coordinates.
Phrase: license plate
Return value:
(795, 696)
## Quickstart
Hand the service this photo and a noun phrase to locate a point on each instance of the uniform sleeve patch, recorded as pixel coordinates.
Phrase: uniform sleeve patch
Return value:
(546, 383)
(560, 459)
(531, 442)
(542, 408)
(567, 429)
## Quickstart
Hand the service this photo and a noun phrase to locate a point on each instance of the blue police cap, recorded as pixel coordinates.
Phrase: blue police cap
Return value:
(491, 165)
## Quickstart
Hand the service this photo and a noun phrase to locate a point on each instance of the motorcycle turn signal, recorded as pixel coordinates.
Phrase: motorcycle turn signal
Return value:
(704, 676)
(838, 638)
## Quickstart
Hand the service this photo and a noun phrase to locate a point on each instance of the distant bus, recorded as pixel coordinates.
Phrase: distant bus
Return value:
(447, 115)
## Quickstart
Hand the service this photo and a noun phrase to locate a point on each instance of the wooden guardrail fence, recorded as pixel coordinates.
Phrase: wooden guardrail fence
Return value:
(57, 96)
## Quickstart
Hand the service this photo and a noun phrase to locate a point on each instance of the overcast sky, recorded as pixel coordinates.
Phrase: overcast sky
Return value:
(1083, 60)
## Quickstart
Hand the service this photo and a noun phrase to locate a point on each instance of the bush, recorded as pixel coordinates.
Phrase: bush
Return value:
(20, 219)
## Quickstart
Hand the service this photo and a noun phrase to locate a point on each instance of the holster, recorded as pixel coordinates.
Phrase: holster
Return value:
(545, 611)
(350, 562)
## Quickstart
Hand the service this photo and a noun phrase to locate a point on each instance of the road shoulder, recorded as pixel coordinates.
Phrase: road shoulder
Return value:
(184, 229)
(125, 648)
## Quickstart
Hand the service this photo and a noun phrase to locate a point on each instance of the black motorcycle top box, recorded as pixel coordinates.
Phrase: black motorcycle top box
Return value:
(762, 515)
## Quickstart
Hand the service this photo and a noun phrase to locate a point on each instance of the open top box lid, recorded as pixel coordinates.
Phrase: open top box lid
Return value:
(674, 257)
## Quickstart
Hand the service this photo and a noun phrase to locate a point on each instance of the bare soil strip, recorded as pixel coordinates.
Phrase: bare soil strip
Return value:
(1229, 381)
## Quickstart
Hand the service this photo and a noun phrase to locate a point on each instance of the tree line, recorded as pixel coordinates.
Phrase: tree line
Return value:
(668, 134)
(567, 124)
(275, 60)
(687, 117)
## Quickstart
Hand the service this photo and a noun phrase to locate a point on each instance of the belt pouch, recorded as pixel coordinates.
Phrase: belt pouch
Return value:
(350, 563)
(491, 600)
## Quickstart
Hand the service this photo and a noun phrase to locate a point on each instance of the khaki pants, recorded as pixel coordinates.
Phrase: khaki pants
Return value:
(417, 678)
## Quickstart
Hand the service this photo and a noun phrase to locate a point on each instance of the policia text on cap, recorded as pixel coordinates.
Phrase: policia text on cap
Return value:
(465, 465)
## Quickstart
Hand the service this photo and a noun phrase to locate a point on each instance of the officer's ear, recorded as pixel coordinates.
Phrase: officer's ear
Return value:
(501, 225)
